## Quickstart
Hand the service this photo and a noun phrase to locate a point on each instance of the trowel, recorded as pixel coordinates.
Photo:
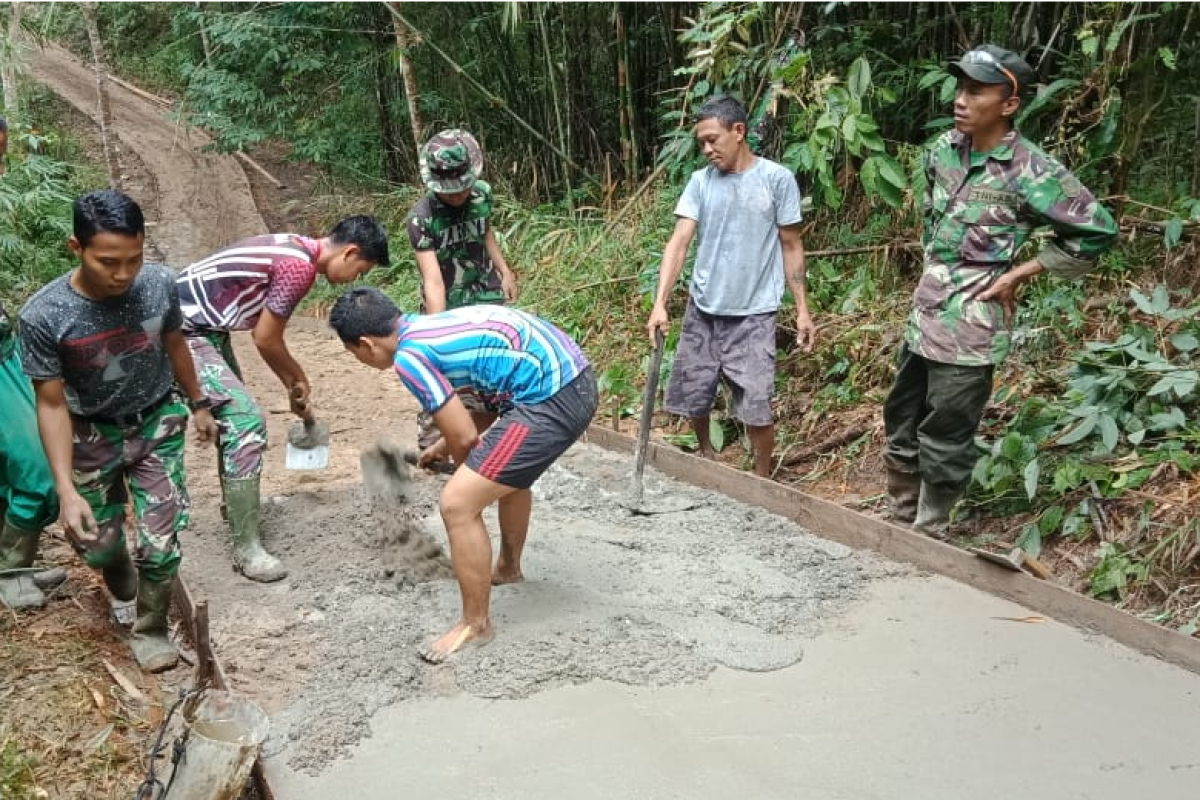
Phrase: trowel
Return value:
(308, 443)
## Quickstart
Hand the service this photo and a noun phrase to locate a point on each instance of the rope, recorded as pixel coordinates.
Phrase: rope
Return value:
(146, 791)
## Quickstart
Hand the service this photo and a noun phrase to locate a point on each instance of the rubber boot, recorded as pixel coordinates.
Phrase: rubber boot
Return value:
(933, 510)
(121, 578)
(904, 490)
(18, 548)
(150, 642)
(249, 557)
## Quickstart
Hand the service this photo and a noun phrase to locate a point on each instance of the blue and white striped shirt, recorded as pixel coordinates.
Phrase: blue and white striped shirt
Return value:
(509, 357)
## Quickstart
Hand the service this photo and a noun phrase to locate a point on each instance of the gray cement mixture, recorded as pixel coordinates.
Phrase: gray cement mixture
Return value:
(641, 600)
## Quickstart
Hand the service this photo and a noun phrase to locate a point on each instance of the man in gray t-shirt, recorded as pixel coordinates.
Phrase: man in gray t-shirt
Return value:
(104, 348)
(744, 212)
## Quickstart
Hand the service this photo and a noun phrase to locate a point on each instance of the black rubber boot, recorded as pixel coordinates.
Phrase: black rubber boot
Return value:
(933, 510)
(904, 491)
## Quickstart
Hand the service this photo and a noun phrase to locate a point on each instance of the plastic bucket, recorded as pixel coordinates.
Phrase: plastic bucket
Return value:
(225, 735)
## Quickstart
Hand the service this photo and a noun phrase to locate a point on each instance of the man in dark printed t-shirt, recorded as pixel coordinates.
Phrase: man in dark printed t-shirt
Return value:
(104, 348)
(255, 285)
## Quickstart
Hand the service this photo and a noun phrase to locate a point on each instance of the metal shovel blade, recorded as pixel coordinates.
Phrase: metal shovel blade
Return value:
(308, 445)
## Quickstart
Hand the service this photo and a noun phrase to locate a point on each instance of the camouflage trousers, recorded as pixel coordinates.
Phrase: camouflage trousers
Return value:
(27, 496)
(242, 434)
(145, 460)
(931, 416)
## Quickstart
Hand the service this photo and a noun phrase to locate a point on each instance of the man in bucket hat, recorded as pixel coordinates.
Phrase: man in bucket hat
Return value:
(457, 254)
(987, 188)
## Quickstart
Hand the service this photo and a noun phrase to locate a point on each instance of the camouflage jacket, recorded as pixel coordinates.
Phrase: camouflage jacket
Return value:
(980, 208)
(458, 236)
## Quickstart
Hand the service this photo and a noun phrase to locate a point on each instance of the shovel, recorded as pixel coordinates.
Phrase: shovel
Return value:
(634, 501)
(308, 443)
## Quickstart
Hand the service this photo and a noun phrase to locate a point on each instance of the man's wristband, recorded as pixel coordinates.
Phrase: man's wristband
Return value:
(202, 402)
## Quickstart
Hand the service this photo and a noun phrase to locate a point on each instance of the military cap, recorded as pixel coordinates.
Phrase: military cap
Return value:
(991, 64)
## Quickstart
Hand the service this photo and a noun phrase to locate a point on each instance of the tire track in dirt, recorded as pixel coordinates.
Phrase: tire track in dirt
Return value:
(204, 198)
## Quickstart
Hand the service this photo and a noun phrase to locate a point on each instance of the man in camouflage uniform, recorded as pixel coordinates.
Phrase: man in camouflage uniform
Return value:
(456, 249)
(27, 499)
(987, 189)
(104, 347)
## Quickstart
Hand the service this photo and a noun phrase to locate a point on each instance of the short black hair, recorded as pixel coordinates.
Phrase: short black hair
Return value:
(3, 125)
(106, 211)
(724, 109)
(367, 233)
(363, 311)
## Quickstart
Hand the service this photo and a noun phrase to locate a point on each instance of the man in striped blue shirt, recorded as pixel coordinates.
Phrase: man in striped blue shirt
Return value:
(529, 369)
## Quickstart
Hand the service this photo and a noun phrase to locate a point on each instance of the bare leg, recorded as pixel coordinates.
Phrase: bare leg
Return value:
(515, 509)
(762, 442)
(703, 440)
(463, 499)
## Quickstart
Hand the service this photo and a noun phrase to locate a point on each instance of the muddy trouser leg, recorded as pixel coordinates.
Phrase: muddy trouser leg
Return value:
(161, 510)
(241, 442)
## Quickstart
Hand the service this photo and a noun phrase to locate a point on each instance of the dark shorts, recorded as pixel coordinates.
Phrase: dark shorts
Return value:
(525, 441)
(742, 349)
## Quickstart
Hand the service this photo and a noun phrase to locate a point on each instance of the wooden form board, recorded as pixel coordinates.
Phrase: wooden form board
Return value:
(856, 530)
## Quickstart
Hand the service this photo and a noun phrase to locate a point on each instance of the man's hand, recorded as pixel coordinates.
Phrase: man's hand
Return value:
(299, 400)
(435, 452)
(1004, 292)
(75, 515)
(1004, 289)
(657, 321)
(205, 425)
(806, 332)
(508, 283)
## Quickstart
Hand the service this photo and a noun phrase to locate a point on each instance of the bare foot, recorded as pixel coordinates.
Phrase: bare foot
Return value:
(461, 634)
(710, 454)
(503, 575)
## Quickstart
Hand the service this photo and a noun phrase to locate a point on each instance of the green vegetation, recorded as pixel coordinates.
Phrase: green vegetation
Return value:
(1091, 443)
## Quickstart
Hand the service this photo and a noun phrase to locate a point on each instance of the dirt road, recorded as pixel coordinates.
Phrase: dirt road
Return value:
(716, 652)
(203, 199)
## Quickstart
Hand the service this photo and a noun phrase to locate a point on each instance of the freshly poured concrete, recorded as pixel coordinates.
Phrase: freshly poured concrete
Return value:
(923, 690)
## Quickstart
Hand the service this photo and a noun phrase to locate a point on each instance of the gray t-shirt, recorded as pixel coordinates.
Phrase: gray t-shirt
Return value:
(109, 353)
(738, 269)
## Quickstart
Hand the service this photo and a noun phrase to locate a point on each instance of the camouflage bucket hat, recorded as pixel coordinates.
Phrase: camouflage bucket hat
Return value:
(451, 162)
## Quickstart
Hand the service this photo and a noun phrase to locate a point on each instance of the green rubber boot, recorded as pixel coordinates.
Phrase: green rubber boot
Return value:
(249, 557)
(904, 491)
(150, 642)
(18, 548)
(933, 510)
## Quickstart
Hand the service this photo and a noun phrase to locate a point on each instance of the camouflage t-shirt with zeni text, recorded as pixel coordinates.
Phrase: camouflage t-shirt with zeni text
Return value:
(457, 235)
(980, 208)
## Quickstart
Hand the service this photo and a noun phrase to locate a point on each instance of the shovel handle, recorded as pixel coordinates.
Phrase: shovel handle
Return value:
(647, 418)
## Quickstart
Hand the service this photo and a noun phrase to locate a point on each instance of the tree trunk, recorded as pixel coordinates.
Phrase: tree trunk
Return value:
(8, 59)
(411, 94)
(107, 139)
(204, 43)
(625, 100)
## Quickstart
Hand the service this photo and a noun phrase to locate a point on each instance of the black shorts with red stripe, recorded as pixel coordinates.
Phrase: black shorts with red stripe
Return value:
(525, 441)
